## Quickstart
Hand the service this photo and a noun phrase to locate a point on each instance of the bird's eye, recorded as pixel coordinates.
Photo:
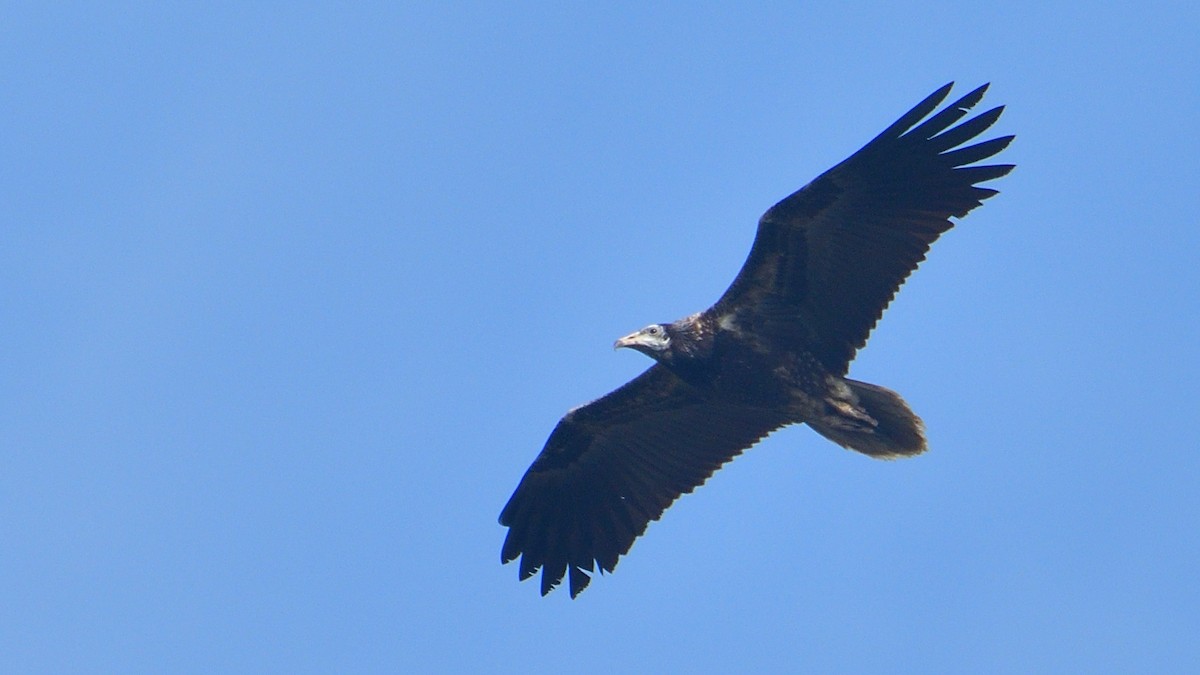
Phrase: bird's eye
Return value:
(654, 330)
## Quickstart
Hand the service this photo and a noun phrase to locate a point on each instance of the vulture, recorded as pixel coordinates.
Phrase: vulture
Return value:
(774, 350)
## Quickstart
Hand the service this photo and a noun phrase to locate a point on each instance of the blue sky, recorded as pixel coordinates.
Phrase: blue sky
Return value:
(292, 296)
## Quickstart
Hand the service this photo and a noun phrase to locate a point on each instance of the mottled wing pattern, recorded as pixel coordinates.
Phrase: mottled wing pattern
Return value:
(612, 466)
(831, 256)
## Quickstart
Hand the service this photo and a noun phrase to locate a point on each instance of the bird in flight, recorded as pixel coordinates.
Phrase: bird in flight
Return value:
(774, 350)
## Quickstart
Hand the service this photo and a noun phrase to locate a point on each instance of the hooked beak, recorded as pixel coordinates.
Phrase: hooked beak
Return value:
(632, 341)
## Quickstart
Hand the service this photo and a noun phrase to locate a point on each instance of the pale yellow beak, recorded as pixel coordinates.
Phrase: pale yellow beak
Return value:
(632, 340)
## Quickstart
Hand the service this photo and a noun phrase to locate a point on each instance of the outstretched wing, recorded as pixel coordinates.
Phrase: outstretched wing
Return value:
(612, 466)
(828, 259)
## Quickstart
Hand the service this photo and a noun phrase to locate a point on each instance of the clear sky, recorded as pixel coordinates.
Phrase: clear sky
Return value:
(291, 296)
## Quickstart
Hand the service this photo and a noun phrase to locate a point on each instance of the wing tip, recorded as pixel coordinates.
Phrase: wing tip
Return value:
(918, 112)
(916, 118)
(1004, 141)
(579, 579)
(975, 95)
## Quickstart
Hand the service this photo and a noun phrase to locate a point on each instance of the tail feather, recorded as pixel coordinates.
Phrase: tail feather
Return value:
(891, 429)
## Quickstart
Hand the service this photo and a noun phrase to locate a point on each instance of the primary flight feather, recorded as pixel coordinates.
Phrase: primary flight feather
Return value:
(774, 349)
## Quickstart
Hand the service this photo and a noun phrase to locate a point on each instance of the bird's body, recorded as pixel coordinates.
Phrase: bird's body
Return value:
(729, 363)
(774, 350)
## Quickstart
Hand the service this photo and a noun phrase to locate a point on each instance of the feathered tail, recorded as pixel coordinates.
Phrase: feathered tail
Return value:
(889, 428)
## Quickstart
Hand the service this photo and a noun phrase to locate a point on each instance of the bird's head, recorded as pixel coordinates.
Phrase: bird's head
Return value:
(653, 341)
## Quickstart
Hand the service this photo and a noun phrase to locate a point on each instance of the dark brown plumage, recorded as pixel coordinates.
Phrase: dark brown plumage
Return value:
(774, 350)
